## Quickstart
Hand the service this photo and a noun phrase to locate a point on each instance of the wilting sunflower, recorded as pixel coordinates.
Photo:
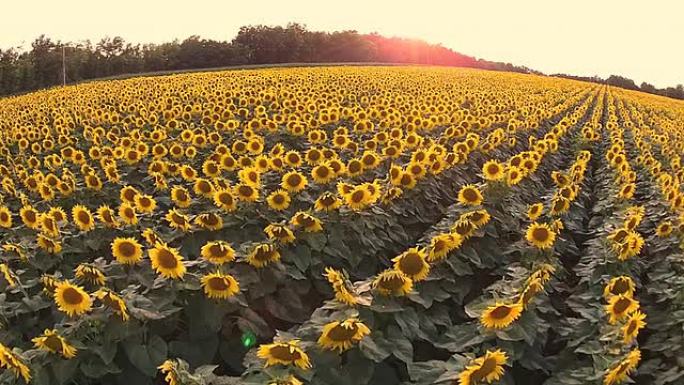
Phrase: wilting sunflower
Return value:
(532, 288)
(493, 170)
(284, 353)
(327, 202)
(50, 245)
(631, 328)
(540, 235)
(72, 299)
(621, 285)
(412, 263)
(487, 368)
(263, 254)
(167, 261)
(150, 236)
(220, 286)
(308, 222)
(501, 315)
(113, 301)
(106, 216)
(619, 372)
(127, 250)
(620, 306)
(145, 203)
(280, 233)
(218, 252)
(470, 195)
(14, 363)
(294, 181)
(441, 245)
(7, 274)
(52, 342)
(279, 200)
(393, 282)
(342, 335)
(90, 274)
(169, 369)
(463, 227)
(209, 221)
(344, 291)
(535, 211)
(127, 214)
(225, 199)
(177, 220)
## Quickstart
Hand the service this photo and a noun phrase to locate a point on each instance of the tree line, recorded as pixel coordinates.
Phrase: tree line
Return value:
(623, 82)
(41, 66)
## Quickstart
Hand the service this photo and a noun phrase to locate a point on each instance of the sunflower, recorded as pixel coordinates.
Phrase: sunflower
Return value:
(263, 254)
(151, 237)
(478, 218)
(30, 217)
(245, 192)
(540, 236)
(72, 299)
(470, 195)
(359, 198)
(52, 342)
(225, 199)
(294, 182)
(280, 233)
(209, 221)
(127, 250)
(535, 211)
(412, 263)
(58, 214)
(344, 291)
(218, 252)
(513, 176)
(145, 203)
(177, 220)
(5, 217)
(284, 353)
(169, 369)
(90, 274)
(181, 197)
(342, 335)
(630, 246)
(50, 245)
(7, 275)
(627, 191)
(619, 372)
(664, 229)
(493, 170)
(220, 286)
(463, 228)
(631, 328)
(532, 288)
(308, 222)
(167, 261)
(620, 306)
(279, 200)
(114, 302)
(487, 368)
(289, 380)
(621, 285)
(106, 215)
(559, 205)
(501, 315)
(441, 245)
(327, 202)
(48, 226)
(127, 214)
(128, 194)
(322, 174)
(393, 282)
(14, 363)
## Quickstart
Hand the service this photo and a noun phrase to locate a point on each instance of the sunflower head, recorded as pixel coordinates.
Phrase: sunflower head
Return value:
(540, 235)
(413, 264)
(501, 315)
(167, 261)
(487, 368)
(393, 282)
(342, 335)
(72, 299)
(286, 353)
(218, 252)
(470, 195)
(493, 171)
(219, 286)
(263, 254)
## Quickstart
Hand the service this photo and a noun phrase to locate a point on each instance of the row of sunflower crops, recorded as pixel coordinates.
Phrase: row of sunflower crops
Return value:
(340, 225)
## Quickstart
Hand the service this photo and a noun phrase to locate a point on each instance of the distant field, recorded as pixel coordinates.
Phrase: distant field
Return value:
(346, 224)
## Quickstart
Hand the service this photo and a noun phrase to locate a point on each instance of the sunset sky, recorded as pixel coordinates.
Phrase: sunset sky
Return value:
(640, 40)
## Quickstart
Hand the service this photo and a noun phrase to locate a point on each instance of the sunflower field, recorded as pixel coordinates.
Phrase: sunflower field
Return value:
(341, 225)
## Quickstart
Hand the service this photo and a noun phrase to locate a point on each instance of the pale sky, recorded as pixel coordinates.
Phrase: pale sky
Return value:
(641, 40)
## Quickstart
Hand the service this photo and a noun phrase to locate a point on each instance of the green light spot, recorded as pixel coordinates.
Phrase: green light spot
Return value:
(248, 339)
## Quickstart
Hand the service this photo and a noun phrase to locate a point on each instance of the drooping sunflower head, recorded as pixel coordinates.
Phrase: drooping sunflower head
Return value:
(220, 286)
(308, 222)
(284, 353)
(618, 372)
(327, 202)
(620, 306)
(540, 235)
(52, 342)
(441, 245)
(263, 254)
(487, 368)
(177, 220)
(393, 282)
(106, 215)
(559, 205)
(280, 233)
(218, 252)
(501, 315)
(90, 273)
(630, 330)
(342, 335)
(470, 195)
(344, 291)
(113, 301)
(478, 218)
(621, 285)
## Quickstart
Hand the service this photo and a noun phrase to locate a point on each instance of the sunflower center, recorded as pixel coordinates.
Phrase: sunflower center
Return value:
(278, 199)
(470, 195)
(631, 327)
(218, 284)
(322, 172)
(83, 217)
(72, 296)
(357, 196)
(493, 169)
(354, 167)
(342, 333)
(463, 228)
(488, 366)
(226, 198)
(31, 215)
(167, 260)
(540, 234)
(393, 282)
(53, 343)
(245, 191)
(294, 180)
(411, 263)
(285, 353)
(4, 217)
(500, 312)
(127, 249)
(210, 220)
(622, 305)
(263, 254)
(216, 250)
(621, 286)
